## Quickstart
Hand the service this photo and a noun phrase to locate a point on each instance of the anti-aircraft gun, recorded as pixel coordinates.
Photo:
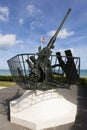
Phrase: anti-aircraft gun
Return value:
(41, 70)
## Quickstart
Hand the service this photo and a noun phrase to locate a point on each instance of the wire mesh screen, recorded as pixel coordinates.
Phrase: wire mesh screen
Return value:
(21, 67)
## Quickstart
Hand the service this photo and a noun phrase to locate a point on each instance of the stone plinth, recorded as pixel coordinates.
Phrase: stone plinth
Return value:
(42, 109)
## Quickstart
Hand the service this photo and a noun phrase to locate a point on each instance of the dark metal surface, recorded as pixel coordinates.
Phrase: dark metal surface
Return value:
(41, 70)
(25, 78)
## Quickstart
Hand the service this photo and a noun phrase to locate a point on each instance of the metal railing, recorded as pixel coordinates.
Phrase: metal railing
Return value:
(21, 71)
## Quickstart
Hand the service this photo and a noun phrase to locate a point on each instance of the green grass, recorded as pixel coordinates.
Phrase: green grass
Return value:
(8, 80)
(6, 83)
(83, 81)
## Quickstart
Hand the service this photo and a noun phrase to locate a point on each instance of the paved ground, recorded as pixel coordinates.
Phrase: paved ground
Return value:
(77, 95)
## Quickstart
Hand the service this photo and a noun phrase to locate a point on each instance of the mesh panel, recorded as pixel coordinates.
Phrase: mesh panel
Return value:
(22, 74)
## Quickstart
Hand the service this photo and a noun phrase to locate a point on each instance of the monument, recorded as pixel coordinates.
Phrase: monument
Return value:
(38, 74)
(38, 71)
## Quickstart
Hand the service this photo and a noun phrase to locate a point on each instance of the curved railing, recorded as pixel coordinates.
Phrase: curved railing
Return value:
(21, 71)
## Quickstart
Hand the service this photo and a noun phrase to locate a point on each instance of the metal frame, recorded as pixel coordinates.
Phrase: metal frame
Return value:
(21, 71)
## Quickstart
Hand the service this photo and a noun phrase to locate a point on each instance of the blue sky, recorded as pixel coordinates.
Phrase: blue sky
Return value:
(22, 22)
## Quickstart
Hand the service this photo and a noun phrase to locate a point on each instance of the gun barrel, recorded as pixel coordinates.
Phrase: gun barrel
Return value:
(59, 28)
(52, 40)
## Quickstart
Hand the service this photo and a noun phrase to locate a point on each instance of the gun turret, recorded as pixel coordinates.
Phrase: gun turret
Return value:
(52, 40)
(41, 67)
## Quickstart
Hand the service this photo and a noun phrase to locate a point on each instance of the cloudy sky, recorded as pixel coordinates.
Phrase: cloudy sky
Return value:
(22, 22)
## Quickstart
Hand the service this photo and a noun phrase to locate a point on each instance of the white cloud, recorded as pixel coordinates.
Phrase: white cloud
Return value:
(35, 24)
(21, 21)
(32, 10)
(4, 14)
(8, 40)
(63, 34)
(36, 13)
(19, 41)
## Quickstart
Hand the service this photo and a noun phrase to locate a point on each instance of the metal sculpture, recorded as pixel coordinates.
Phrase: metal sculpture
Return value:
(68, 67)
(41, 67)
(38, 71)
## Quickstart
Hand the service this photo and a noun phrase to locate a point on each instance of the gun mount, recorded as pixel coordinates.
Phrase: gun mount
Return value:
(38, 71)
(41, 67)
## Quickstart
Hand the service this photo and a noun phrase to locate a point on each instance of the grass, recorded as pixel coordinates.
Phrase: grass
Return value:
(83, 81)
(6, 83)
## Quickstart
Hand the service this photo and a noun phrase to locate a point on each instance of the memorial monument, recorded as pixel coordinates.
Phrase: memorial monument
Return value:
(38, 71)
(38, 74)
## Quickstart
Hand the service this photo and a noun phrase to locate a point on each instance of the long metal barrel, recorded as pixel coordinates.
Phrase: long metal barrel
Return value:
(59, 28)
(52, 40)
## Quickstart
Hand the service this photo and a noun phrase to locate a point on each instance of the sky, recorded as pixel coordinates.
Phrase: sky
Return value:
(22, 22)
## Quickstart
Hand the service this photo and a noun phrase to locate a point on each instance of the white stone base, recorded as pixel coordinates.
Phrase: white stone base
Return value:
(42, 109)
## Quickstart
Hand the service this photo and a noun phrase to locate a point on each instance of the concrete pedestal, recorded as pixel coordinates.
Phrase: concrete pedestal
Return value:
(42, 109)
